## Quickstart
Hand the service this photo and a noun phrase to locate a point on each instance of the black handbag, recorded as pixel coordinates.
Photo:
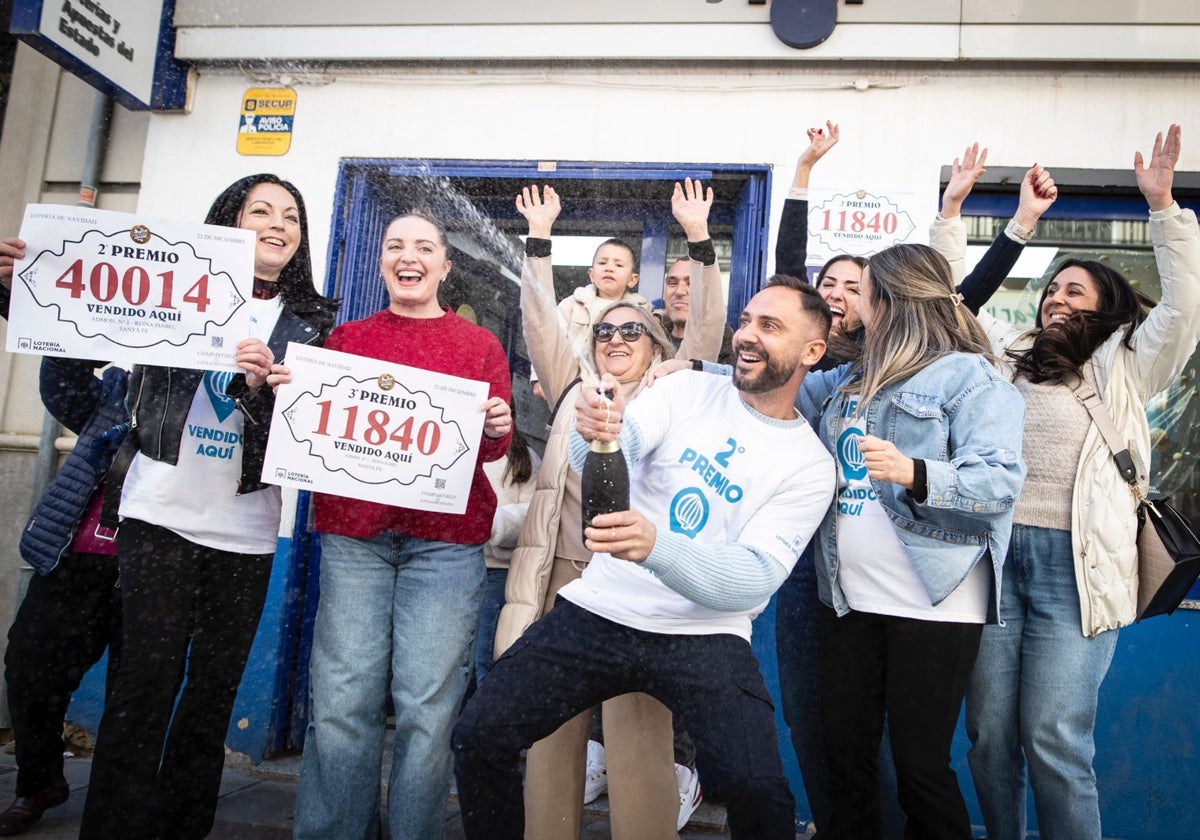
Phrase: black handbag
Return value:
(1168, 549)
(1168, 558)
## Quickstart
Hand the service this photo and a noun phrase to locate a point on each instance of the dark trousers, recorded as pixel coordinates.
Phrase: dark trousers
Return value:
(572, 659)
(797, 635)
(916, 673)
(147, 781)
(64, 623)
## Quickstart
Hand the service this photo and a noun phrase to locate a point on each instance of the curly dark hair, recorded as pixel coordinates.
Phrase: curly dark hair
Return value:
(296, 287)
(1059, 354)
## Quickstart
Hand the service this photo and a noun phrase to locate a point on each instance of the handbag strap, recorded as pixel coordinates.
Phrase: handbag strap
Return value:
(1108, 430)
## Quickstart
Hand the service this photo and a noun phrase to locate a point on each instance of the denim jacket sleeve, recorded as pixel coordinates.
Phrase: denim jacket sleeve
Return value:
(816, 389)
(983, 470)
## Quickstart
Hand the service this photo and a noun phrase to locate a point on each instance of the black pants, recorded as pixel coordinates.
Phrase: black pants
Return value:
(916, 673)
(64, 623)
(173, 593)
(572, 659)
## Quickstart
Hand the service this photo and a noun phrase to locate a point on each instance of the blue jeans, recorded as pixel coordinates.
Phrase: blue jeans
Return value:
(399, 607)
(489, 615)
(1032, 698)
(571, 659)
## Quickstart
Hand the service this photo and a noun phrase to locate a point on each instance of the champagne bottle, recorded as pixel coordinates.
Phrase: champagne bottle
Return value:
(604, 484)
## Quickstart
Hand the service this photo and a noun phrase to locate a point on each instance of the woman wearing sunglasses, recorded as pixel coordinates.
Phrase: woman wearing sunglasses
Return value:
(627, 342)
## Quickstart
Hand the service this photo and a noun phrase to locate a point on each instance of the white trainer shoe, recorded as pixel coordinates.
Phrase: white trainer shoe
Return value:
(690, 795)
(596, 780)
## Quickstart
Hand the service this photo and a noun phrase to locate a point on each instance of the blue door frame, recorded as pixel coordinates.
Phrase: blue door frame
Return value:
(365, 201)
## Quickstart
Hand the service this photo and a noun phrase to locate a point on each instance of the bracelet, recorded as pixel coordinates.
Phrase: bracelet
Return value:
(1019, 232)
(698, 365)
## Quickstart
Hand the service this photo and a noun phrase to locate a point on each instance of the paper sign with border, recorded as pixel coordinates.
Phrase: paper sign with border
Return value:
(96, 284)
(377, 431)
(860, 223)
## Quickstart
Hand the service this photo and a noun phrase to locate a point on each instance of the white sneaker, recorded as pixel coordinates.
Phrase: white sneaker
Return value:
(596, 780)
(690, 795)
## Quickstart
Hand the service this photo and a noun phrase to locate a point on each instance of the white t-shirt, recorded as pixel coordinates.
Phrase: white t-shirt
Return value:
(718, 472)
(874, 572)
(197, 497)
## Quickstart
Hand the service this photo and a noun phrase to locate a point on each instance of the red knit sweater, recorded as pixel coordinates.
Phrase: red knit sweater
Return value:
(450, 345)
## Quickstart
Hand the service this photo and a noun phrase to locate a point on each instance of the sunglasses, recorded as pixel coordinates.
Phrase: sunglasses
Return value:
(630, 332)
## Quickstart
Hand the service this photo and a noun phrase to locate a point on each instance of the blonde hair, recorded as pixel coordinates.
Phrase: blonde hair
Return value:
(916, 318)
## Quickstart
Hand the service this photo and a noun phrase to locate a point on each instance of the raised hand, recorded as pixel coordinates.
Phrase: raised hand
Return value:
(690, 205)
(962, 179)
(1038, 192)
(539, 210)
(820, 141)
(1156, 177)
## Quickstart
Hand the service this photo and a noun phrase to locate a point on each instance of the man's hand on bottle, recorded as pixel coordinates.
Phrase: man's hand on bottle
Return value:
(598, 410)
(626, 535)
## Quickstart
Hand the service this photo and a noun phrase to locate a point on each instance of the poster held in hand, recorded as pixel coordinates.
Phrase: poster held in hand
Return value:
(377, 431)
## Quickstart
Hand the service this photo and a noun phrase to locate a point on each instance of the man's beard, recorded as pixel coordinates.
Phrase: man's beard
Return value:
(772, 375)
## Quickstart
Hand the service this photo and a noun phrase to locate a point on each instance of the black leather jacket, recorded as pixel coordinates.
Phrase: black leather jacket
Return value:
(161, 397)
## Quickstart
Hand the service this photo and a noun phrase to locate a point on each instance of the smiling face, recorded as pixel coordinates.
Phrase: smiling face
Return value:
(774, 343)
(413, 263)
(612, 271)
(271, 212)
(626, 360)
(677, 287)
(839, 287)
(1071, 290)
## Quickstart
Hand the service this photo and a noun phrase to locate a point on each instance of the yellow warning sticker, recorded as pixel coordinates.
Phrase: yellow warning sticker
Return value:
(266, 126)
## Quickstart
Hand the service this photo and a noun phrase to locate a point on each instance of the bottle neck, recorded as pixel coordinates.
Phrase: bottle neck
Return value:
(602, 446)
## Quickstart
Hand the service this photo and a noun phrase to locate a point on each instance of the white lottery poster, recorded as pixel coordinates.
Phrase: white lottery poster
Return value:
(377, 431)
(96, 284)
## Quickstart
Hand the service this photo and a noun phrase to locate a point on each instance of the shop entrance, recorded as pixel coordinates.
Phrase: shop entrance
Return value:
(476, 201)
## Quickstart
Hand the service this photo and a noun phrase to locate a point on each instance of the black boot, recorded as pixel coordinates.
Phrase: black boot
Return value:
(27, 810)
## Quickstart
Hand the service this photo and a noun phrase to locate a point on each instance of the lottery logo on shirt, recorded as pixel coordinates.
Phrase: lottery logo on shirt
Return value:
(215, 383)
(689, 512)
(850, 457)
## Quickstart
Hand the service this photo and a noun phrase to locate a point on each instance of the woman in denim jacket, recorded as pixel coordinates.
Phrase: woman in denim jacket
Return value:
(928, 439)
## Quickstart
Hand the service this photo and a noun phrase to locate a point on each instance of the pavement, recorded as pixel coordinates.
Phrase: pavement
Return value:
(257, 801)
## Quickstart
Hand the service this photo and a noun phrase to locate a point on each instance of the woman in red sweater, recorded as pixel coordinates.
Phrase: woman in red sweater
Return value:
(400, 588)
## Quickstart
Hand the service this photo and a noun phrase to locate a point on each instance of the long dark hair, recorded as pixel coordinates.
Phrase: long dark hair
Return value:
(519, 468)
(843, 345)
(296, 279)
(861, 262)
(1057, 355)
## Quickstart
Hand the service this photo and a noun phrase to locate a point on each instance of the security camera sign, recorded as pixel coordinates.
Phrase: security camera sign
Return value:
(377, 431)
(97, 284)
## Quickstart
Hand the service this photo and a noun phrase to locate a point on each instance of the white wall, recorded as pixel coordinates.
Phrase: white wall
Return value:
(911, 121)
